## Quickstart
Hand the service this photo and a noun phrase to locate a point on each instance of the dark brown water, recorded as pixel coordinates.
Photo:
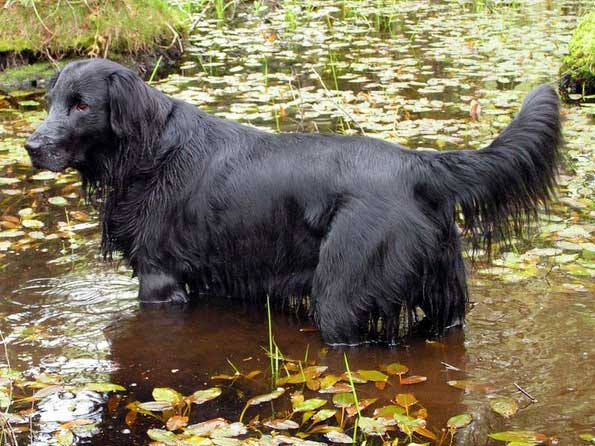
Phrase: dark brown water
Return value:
(406, 71)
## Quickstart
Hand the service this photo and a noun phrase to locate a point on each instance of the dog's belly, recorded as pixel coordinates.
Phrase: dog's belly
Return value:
(278, 264)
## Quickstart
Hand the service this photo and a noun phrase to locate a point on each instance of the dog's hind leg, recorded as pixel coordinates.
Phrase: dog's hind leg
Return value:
(367, 265)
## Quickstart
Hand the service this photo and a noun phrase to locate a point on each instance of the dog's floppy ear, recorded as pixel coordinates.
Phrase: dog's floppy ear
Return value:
(137, 111)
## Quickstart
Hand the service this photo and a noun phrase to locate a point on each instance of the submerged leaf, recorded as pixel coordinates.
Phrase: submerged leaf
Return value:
(471, 386)
(506, 407)
(459, 421)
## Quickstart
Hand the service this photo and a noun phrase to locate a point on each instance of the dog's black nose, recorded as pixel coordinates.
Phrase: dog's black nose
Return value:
(33, 146)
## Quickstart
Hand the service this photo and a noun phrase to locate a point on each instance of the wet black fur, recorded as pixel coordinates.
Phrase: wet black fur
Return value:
(365, 227)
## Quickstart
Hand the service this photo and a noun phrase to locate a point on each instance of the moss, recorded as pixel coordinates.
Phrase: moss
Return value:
(25, 74)
(91, 27)
(578, 67)
(580, 60)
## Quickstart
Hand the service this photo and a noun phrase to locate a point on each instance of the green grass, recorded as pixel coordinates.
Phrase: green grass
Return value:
(91, 27)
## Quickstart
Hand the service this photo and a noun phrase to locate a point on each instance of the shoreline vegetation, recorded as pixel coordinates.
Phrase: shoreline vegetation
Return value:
(578, 68)
(37, 35)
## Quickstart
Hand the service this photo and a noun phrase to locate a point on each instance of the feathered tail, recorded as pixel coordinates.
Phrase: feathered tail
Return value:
(500, 188)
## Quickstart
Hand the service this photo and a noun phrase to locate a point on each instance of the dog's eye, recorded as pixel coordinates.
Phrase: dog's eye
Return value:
(81, 107)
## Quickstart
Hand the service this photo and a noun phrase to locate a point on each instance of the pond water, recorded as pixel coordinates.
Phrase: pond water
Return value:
(406, 71)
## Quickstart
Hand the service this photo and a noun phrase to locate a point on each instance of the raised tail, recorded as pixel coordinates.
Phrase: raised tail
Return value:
(500, 188)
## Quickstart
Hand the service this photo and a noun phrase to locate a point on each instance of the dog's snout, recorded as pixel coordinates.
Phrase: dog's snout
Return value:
(33, 145)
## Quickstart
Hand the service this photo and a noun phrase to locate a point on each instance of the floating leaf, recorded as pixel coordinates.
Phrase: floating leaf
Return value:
(307, 405)
(166, 394)
(64, 437)
(156, 406)
(459, 421)
(229, 430)
(519, 436)
(396, 369)
(10, 374)
(202, 396)
(206, 427)
(370, 426)
(388, 411)
(44, 175)
(471, 386)
(6, 181)
(506, 407)
(337, 388)
(406, 400)
(161, 435)
(351, 411)
(323, 414)
(103, 387)
(282, 424)
(176, 422)
(58, 201)
(343, 400)
(254, 401)
(587, 437)
(4, 399)
(11, 233)
(329, 381)
(355, 377)
(413, 380)
(372, 375)
(47, 391)
(338, 437)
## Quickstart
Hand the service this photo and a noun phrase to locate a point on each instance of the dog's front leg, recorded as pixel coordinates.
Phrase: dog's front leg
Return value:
(159, 287)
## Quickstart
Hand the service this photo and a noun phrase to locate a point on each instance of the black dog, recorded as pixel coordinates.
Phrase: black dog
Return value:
(363, 226)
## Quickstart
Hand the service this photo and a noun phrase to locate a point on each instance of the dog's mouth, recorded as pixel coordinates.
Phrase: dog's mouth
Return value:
(49, 156)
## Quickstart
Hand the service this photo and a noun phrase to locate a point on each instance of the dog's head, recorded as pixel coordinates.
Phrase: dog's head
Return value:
(91, 105)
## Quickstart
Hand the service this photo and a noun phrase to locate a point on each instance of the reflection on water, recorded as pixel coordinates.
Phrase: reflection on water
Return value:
(406, 72)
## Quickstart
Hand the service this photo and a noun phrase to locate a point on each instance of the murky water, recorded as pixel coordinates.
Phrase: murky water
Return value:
(405, 71)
